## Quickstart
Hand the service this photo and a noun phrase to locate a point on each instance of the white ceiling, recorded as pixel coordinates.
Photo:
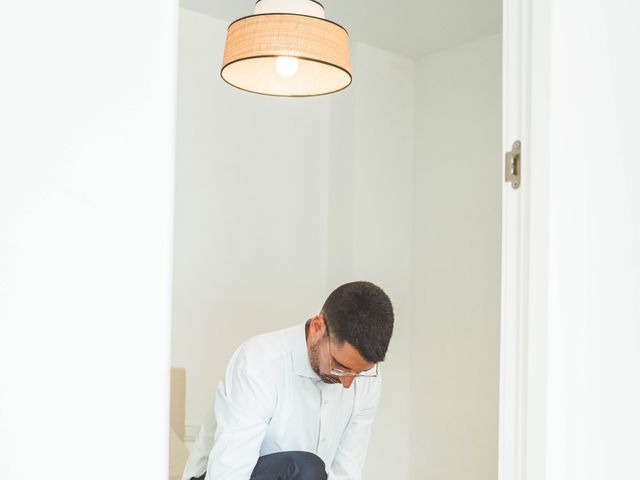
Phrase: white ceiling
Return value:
(412, 28)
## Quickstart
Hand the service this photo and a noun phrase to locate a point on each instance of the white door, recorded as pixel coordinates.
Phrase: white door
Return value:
(87, 101)
(570, 379)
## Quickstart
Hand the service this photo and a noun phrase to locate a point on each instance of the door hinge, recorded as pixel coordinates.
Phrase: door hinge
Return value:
(512, 165)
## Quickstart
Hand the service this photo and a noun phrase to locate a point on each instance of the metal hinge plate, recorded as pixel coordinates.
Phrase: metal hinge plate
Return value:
(512, 165)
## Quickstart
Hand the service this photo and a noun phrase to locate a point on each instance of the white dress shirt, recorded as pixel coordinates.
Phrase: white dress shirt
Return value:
(271, 400)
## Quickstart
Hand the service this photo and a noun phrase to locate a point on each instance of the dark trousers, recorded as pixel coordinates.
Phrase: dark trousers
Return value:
(287, 466)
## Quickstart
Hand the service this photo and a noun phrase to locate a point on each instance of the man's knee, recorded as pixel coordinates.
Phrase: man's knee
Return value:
(305, 466)
(292, 465)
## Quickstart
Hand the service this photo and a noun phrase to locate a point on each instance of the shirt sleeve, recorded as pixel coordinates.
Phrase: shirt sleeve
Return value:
(245, 400)
(352, 449)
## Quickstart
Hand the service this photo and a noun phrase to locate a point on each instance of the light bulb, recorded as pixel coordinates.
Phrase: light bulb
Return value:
(287, 66)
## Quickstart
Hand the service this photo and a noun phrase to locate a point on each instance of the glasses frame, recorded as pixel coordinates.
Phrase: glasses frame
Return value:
(338, 372)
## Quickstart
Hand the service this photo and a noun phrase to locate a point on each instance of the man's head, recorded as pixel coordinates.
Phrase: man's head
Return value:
(352, 332)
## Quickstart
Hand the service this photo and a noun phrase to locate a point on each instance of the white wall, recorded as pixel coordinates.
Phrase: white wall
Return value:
(370, 223)
(456, 274)
(591, 344)
(87, 157)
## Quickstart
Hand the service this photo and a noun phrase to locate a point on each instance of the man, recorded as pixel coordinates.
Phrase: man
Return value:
(298, 404)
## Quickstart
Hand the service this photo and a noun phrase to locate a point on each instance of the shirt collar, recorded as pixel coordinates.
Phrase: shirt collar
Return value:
(300, 354)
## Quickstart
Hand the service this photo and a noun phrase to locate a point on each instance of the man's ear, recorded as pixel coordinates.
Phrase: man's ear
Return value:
(318, 326)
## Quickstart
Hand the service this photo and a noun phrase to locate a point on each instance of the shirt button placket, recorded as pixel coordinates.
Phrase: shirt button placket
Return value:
(322, 439)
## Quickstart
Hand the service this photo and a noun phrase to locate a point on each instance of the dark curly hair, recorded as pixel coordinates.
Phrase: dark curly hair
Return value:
(361, 314)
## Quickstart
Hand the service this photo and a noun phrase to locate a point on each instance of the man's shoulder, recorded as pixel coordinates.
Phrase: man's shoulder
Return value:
(266, 349)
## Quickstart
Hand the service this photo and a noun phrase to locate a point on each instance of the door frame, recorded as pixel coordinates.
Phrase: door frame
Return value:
(523, 368)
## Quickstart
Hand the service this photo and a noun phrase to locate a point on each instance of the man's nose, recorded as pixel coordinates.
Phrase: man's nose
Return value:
(346, 381)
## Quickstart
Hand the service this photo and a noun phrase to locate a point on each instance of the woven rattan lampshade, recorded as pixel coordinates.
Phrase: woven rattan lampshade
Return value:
(287, 54)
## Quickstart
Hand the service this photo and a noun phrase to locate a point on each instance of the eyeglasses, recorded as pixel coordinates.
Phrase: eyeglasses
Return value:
(339, 372)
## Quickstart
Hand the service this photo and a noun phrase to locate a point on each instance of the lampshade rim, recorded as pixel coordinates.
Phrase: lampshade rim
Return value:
(288, 14)
(295, 56)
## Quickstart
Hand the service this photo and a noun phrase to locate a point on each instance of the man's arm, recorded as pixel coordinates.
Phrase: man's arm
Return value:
(352, 450)
(245, 400)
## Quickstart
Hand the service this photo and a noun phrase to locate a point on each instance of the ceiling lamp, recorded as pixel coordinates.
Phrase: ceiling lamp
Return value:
(287, 48)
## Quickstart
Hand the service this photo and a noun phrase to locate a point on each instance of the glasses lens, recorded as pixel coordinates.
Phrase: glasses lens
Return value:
(373, 372)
